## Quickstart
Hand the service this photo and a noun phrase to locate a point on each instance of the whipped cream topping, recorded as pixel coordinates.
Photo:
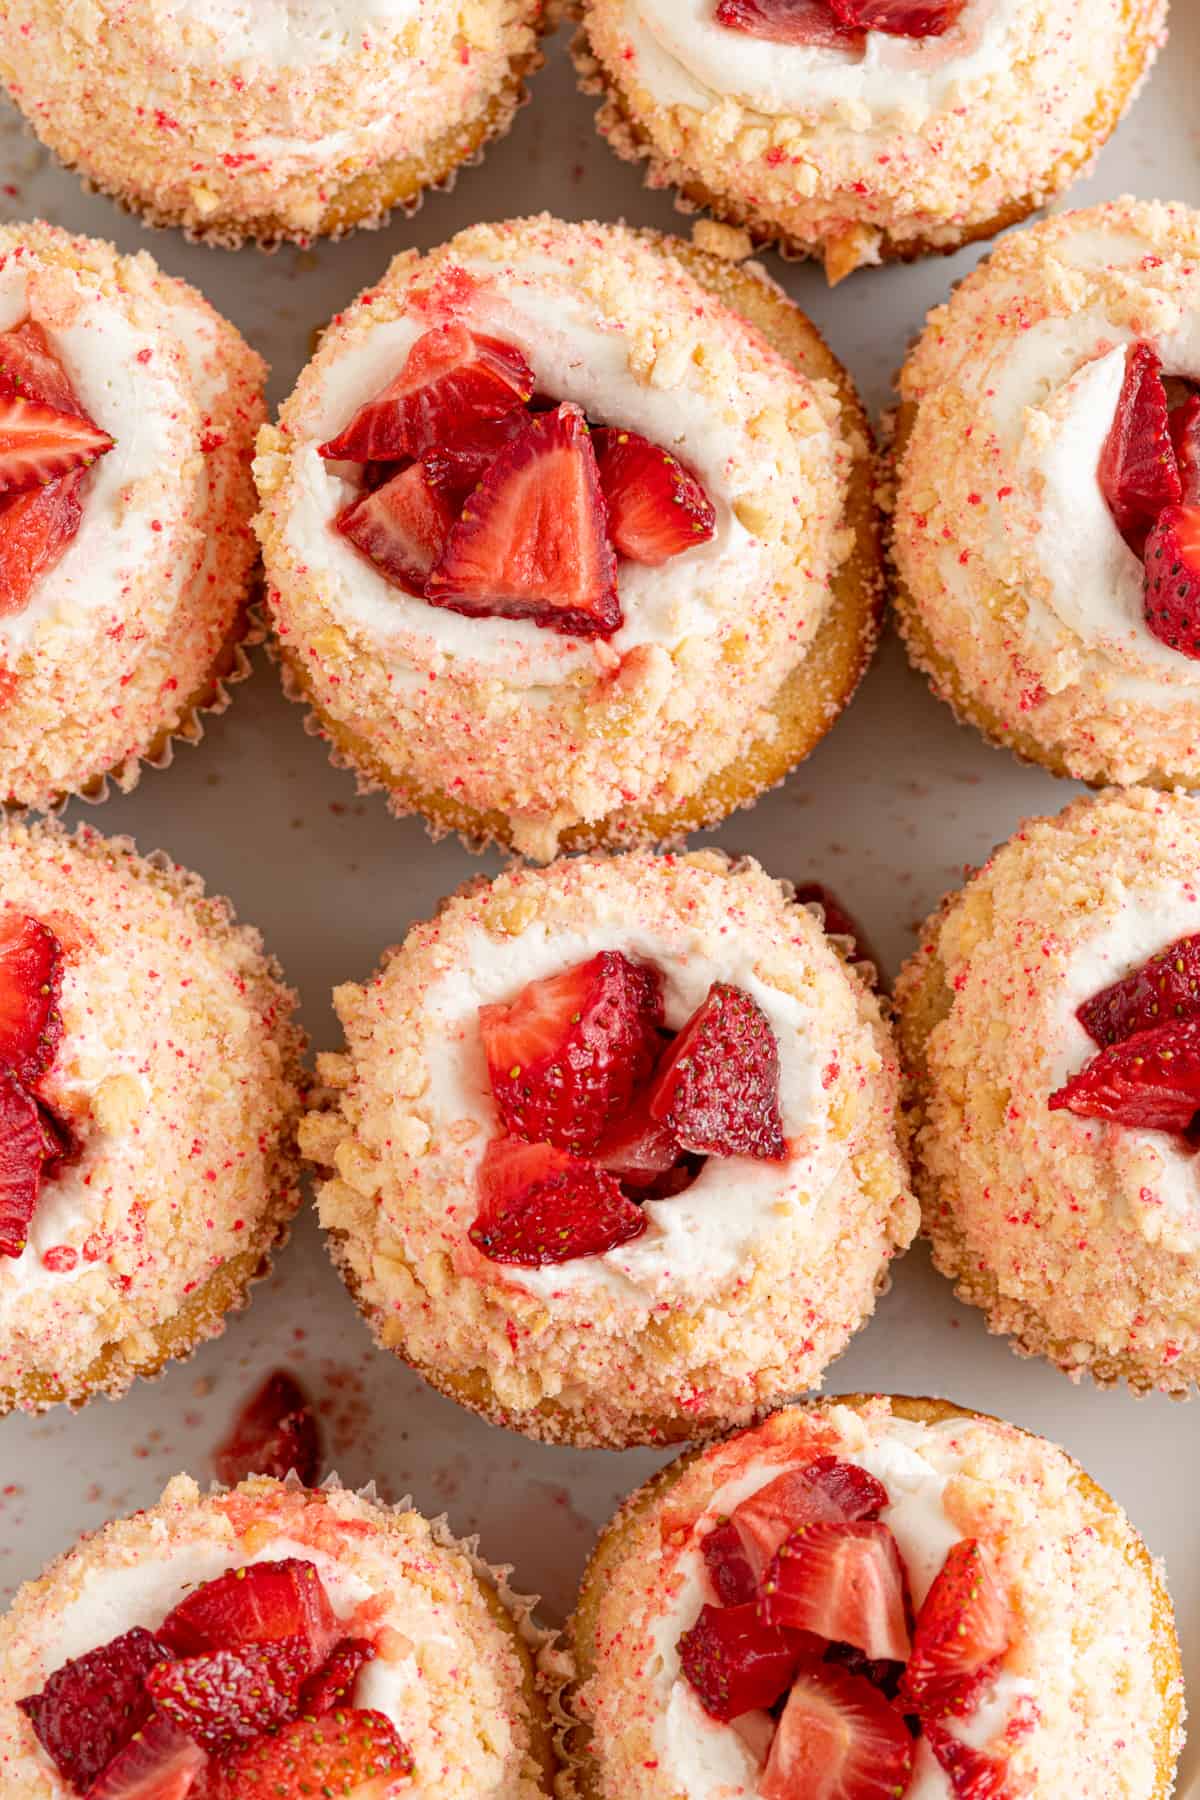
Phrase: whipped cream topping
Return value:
(288, 33)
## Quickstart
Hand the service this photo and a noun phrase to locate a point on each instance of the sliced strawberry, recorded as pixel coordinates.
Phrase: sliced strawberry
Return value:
(729, 1568)
(91, 1707)
(1185, 438)
(1166, 987)
(1138, 472)
(224, 1698)
(1150, 1082)
(655, 507)
(844, 1583)
(827, 1489)
(1172, 594)
(30, 980)
(457, 466)
(789, 22)
(532, 541)
(356, 1755)
(735, 1663)
(38, 443)
(898, 18)
(962, 1631)
(30, 369)
(399, 527)
(23, 1155)
(264, 1603)
(638, 1150)
(159, 1763)
(451, 378)
(538, 1205)
(333, 1684)
(35, 530)
(275, 1431)
(717, 1087)
(565, 1055)
(974, 1775)
(837, 1739)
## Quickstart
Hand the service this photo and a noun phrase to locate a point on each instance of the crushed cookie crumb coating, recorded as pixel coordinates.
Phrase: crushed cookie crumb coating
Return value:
(178, 1071)
(584, 1356)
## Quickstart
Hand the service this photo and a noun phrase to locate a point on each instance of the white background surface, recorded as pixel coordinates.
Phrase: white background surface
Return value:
(887, 812)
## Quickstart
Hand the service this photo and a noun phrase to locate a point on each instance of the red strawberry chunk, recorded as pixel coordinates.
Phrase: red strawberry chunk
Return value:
(532, 540)
(276, 1431)
(39, 443)
(23, 1155)
(974, 1775)
(457, 466)
(1150, 1081)
(159, 1763)
(451, 378)
(656, 508)
(827, 1489)
(1138, 472)
(91, 1707)
(735, 1663)
(354, 1754)
(1185, 438)
(333, 1685)
(638, 1150)
(399, 527)
(539, 1205)
(729, 1568)
(264, 1603)
(837, 1739)
(30, 979)
(223, 1699)
(717, 1088)
(35, 531)
(842, 1581)
(1172, 594)
(1166, 987)
(899, 18)
(961, 1633)
(30, 369)
(565, 1055)
(789, 22)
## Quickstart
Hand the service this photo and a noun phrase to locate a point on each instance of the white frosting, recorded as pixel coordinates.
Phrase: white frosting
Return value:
(292, 33)
(695, 1241)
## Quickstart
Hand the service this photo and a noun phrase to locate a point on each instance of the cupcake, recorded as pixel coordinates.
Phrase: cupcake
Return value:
(268, 119)
(615, 1148)
(149, 1086)
(1050, 1021)
(271, 1643)
(569, 536)
(858, 131)
(128, 409)
(870, 1598)
(1047, 521)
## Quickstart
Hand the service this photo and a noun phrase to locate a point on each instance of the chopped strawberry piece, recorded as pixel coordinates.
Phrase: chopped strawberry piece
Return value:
(656, 508)
(637, 1149)
(735, 1663)
(532, 541)
(399, 527)
(789, 22)
(974, 1775)
(275, 1431)
(38, 443)
(23, 1155)
(451, 378)
(458, 465)
(842, 1581)
(538, 1205)
(222, 1699)
(1185, 438)
(30, 369)
(565, 1055)
(357, 1755)
(333, 1685)
(898, 18)
(159, 1763)
(827, 1489)
(35, 530)
(728, 1566)
(30, 980)
(1172, 596)
(91, 1707)
(1150, 1082)
(264, 1603)
(1166, 987)
(1138, 472)
(717, 1087)
(961, 1633)
(837, 1739)
(838, 922)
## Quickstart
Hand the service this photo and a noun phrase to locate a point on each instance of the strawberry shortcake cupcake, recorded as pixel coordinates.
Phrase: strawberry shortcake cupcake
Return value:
(874, 1599)
(267, 119)
(569, 536)
(149, 1086)
(613, 1148)
(271, 1643)
(1051, 1025)
(128, 409)
(1047, 520)
(863, 130)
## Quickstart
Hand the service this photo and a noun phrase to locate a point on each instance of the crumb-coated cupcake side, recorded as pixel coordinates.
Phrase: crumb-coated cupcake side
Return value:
(731, 1285)
(726, 663)
(1084, 1697)
(169, 1082)
(443, 1650)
